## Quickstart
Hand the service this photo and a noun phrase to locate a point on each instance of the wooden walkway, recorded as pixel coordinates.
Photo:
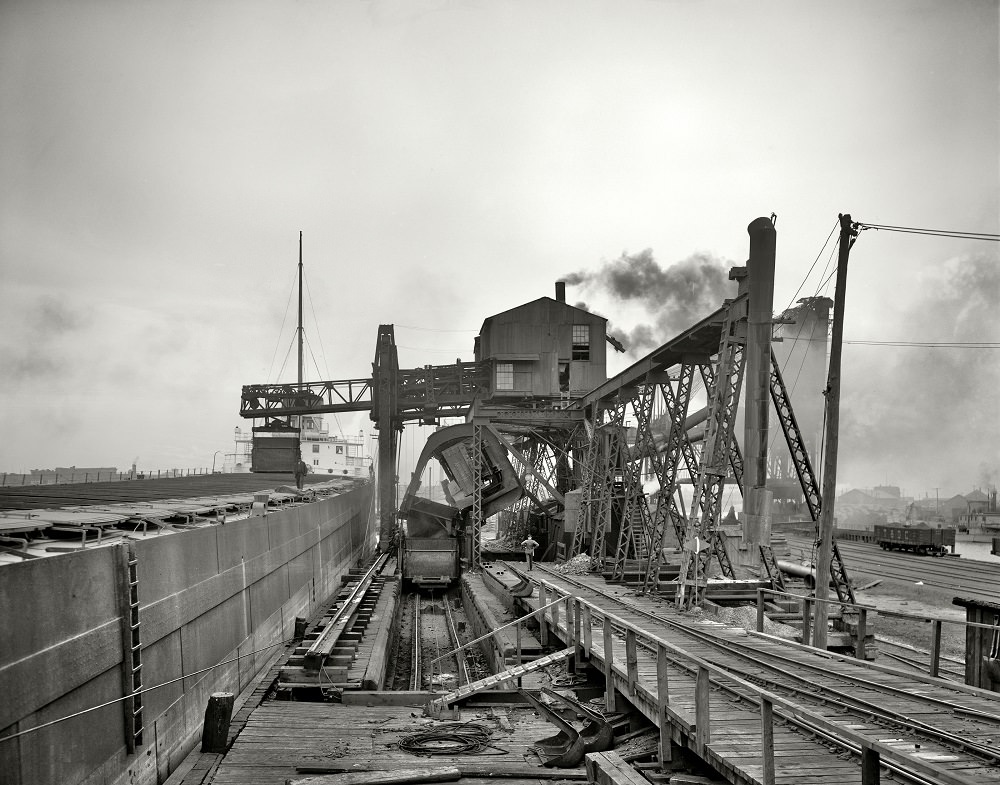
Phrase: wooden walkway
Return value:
(732, 738)
(282, 736)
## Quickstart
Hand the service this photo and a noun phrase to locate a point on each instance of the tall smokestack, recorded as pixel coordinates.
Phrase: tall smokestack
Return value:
(561, 291)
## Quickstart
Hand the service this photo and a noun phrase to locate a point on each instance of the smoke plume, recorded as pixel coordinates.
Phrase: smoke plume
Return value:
(677, 296)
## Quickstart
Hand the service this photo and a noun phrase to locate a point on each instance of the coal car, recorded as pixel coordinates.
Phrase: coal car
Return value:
(920, 538)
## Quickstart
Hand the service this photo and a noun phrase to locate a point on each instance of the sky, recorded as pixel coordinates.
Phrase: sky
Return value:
(448, 160)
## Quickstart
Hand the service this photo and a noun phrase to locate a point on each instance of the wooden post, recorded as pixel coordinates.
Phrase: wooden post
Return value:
(609, 672)
(555, 612)
(829, 491)
(859, 648)
(631, 661)
(767, 739)
(588, 632)
(760, 610)
(869, 766)
(517, 634)
(702, 713)
(577, 666)
(662, 701)
(218, 714)
(935, 646)
(805, 621)
(543, 600)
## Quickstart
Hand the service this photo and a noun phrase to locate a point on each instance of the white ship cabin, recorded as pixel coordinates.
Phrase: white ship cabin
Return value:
(340, 456)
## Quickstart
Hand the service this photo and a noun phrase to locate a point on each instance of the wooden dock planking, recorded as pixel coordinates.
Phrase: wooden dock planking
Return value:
(281, 735)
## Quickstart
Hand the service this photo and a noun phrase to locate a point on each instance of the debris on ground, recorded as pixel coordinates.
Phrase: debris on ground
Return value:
(746, 617)
(578, 565)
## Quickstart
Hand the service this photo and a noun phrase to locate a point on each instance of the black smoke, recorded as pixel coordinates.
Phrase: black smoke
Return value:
(676, 296)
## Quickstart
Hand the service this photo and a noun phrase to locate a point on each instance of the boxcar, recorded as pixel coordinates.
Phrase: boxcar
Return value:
(915, 538)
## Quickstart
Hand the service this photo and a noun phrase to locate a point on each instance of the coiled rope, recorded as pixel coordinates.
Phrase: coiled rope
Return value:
(452, 738)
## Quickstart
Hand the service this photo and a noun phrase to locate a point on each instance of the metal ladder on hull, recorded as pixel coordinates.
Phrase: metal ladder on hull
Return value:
(131, 646)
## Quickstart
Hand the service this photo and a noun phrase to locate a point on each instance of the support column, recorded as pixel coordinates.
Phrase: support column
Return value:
(383, 413)
(760, 279)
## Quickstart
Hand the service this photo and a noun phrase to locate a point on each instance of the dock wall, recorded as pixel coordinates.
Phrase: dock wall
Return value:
(206, 596)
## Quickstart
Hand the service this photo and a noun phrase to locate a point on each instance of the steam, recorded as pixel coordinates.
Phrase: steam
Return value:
(679, 295)
(927, 417)
(37, 354)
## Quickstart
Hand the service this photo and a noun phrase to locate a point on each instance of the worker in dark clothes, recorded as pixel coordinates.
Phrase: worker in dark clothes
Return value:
(300, 471)
(529, 546)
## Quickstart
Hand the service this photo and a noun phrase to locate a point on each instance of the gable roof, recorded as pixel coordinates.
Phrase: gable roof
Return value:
(533, 302)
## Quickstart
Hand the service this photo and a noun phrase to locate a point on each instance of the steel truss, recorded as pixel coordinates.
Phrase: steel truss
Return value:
(475, 550)
(607, 475)
(723, 396)
(665, 466)
(591, 451)
(807, 478)
(636, 523)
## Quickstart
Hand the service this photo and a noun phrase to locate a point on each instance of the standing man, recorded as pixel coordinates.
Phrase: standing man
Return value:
(529, 546)
(300, 472)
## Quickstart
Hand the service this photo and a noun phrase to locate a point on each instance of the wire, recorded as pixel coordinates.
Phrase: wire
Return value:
(433, 329)
(319, 335)
(813, 266)
(934, 232)
(277, 341)
(140, 692)
(933, 344)
(287, 355)
(425, 349)
(451, 738)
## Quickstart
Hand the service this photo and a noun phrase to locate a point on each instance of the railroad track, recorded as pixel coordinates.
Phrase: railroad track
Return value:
(977, 579)
(434, 633)
(931, 723)
(950, 668)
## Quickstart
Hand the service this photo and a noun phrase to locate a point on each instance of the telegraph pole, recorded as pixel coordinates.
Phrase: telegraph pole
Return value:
(847, 236)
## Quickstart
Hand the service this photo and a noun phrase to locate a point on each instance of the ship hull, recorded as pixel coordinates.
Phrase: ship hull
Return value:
(219, 596)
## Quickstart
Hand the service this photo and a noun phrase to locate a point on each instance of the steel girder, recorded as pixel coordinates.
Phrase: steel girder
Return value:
(665, 465)
(793, 437)
(715, 460)
(634, 529)
(583, 534)
(807, 478)
(605, 477)
(475, 554)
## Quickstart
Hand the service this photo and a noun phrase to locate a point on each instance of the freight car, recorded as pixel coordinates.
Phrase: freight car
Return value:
(429, 547)
(915, 537)
(435, 535)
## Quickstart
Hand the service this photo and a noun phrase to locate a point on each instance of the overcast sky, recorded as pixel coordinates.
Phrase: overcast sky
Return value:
(449, 160)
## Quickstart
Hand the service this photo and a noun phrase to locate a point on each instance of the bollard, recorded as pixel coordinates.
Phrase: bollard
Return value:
(218, 715)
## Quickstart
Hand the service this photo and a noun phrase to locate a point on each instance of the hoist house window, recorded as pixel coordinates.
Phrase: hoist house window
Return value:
(505, 376)
(581, 341)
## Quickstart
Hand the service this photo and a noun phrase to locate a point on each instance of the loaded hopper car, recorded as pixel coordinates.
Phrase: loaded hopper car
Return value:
(916, 538)
(436, 536)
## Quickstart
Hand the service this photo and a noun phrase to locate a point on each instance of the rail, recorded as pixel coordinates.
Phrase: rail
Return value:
(320, 648)
(862, 610)
(463, 667)
(772, 706)
(416, 666)
(491, 632)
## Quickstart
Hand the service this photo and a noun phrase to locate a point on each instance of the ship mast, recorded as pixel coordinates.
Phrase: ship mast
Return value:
(300, 310)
